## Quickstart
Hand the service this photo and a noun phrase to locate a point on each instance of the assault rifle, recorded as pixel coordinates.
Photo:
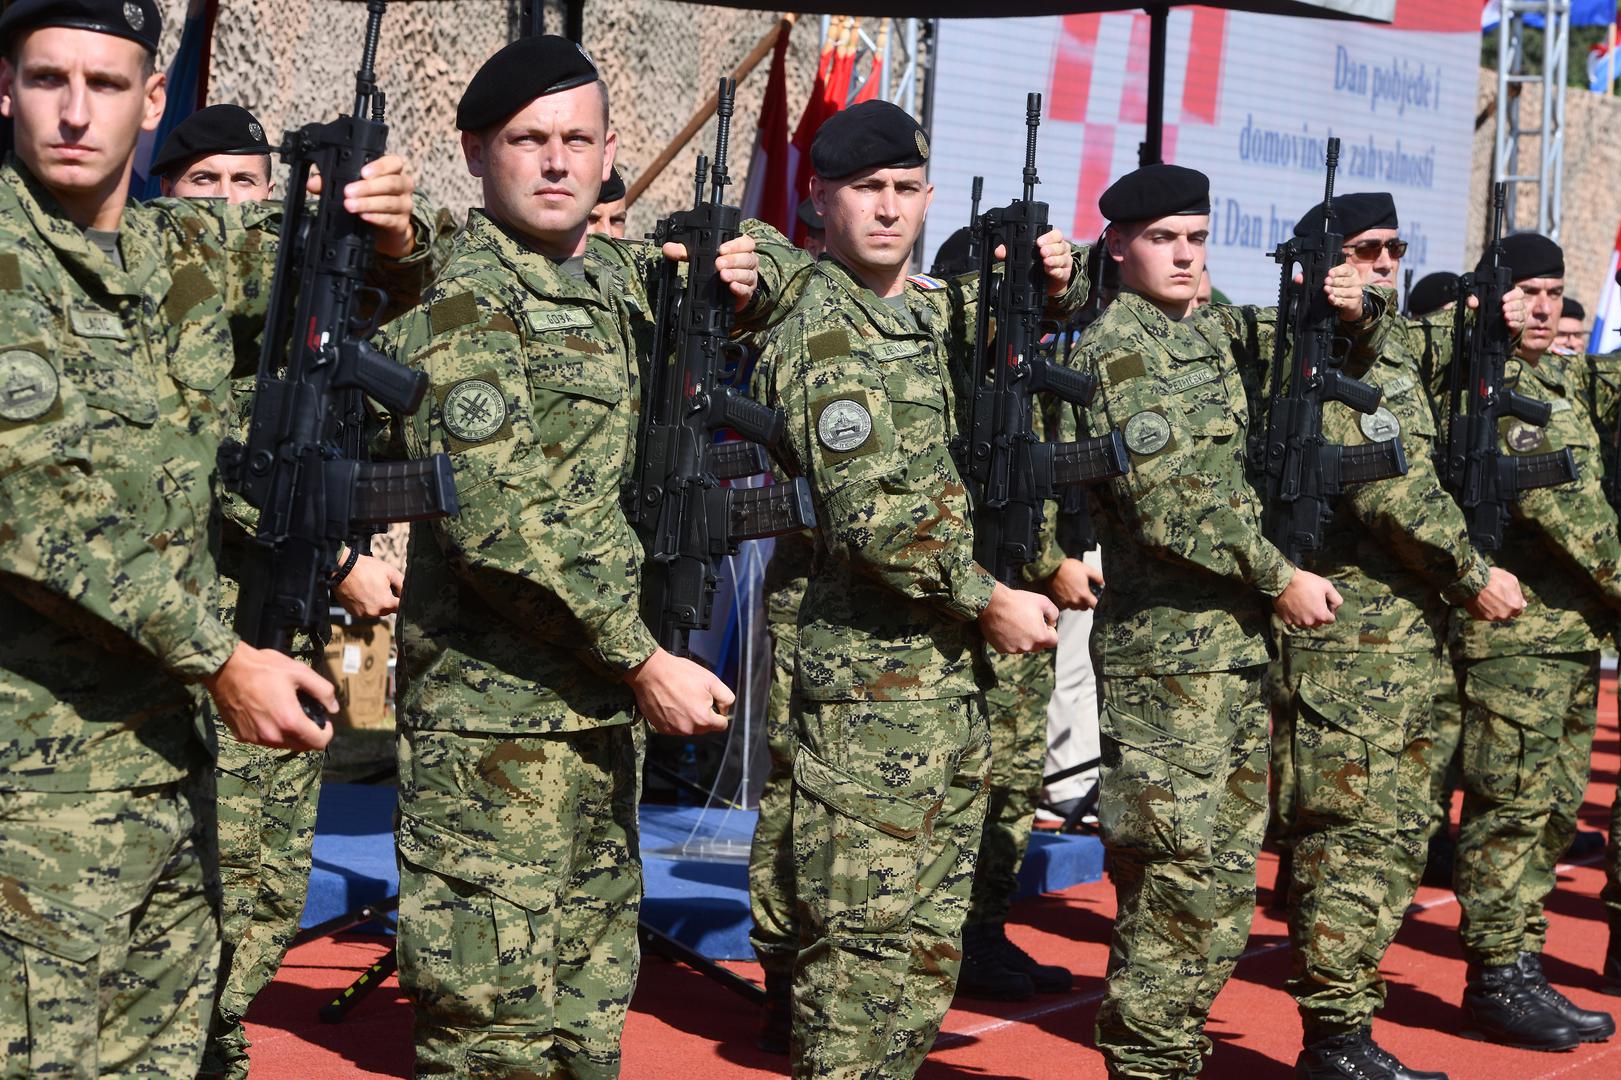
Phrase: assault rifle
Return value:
(304, 465)
(1011, 472)
(1305, 473)
(686, 520)
(1485, 481)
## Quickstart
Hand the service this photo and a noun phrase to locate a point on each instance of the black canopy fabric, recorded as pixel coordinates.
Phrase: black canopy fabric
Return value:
(1382, 11)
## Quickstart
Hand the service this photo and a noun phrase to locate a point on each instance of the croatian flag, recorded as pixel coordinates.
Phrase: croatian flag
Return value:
(1607, 320)
(187, 90)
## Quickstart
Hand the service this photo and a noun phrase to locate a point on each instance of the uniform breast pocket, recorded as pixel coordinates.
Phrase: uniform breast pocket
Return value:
(918, 412)
(581, 430)
(111, 386)
(1208, 412)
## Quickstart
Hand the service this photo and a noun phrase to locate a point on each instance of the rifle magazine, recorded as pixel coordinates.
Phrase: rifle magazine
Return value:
(383, 492)
(737, 459)
(756, 513)
(1372, 461)
(1090, 461)
(1542, 470)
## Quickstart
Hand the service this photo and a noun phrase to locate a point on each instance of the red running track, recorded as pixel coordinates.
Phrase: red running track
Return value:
(685, 1027)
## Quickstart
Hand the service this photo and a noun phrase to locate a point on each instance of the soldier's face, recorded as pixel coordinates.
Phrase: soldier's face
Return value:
(79, 100)
(236, 178)
(1544, 303)
(872, 220)
(1569, 337)
(543, 168)
(1382, 267)
(1164, 259)
(608, 218)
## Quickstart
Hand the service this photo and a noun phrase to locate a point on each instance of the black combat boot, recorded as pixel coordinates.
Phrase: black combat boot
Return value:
(1047, 978)
(1590, 1024)
(1354, 1056)
(777, 1014)
(985, 970)
(1503, 1010)
(1612, 958)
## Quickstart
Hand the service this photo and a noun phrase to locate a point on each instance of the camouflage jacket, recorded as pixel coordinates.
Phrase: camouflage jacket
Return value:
(114, 395)
(1398, 550)
(1561, 542)
(1189, 569)
(889, 610)
(521, 613)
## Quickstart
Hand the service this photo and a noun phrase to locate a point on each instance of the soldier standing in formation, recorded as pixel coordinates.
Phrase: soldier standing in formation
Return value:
(1361, 688)
(892, 751)
(1183, 645)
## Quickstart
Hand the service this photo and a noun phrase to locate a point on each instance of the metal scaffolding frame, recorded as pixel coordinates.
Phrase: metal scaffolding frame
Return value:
(1549, 175)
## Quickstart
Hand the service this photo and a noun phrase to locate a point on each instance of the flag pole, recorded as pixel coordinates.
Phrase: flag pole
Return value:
(707, 109)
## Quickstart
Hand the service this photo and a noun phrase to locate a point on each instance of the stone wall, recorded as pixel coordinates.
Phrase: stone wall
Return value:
(1592, 196)
(293, 61)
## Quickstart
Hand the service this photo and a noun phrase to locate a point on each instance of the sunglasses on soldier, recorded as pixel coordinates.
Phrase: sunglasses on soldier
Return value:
(1368, 250)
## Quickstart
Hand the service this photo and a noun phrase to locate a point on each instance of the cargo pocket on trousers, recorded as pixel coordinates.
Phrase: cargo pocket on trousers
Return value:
(1346, 757)
(1506, 743)
(53, 947)
(1159, 791)
(870, 858)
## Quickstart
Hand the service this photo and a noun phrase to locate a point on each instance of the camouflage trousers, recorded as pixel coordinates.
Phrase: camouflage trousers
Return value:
(1446, 732)
(109, 939)
(520, 882)
(1611, 895)
(1017, 709)
(775, 934)
(1182, 812)
(887, 807)
(1281, 792)
(1527, 736)
(266, 803)
(1360, 745)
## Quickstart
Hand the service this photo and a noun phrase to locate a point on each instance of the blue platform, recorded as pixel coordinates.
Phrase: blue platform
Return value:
(700, 902)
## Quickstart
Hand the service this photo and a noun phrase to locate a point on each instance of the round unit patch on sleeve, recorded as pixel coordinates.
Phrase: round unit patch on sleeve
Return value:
(844, 425)
(474, 410)
(1147, 433)
(1524, 438)
(1380, 425)
(28, 385)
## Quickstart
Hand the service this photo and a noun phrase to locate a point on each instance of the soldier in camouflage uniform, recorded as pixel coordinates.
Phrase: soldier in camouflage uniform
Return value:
(1362, 687)
(523, 653)
(775, 934)
(265, 798)
(1182, 641)
(892, 754)
(116, 329)
(1530, 691)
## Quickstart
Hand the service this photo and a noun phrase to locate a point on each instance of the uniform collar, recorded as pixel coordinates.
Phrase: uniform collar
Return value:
(142, 258)
(1548, 371)
(538, 272)
(1180, 338)
(880, 314)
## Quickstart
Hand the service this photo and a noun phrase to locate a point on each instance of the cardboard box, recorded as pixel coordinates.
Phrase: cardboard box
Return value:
(356, 660)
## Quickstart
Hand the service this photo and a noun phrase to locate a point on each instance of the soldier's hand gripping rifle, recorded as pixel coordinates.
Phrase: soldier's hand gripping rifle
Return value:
(1304, 472)
(1012, 473)
(1483, 480)
(686, 520)
(304, 465)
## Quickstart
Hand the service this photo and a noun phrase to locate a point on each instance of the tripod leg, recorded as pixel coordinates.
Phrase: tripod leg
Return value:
(657, 941)
(339, 1007)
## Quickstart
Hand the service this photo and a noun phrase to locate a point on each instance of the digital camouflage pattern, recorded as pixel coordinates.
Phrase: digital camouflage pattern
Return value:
(889, 799)
(1016, 706)
(892, 758)
(520, 618)
(1182, 647)
(1182, 809)
(1529, 686)
(775, 933)
(1361, 699)
(115, 396)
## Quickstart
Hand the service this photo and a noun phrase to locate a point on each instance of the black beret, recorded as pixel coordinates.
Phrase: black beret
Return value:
(1432, 292)
(613, 189)
(218, 129)
(952, 258)
(1573, 310)
(1156, 191)
(809, 218)
(1354, 213)
(529, 68)
(1532, 255)
(871, 135)
(137, 20)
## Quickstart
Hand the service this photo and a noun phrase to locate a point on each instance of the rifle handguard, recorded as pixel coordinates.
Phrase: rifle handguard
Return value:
(1089, 461)
(1358, 395)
